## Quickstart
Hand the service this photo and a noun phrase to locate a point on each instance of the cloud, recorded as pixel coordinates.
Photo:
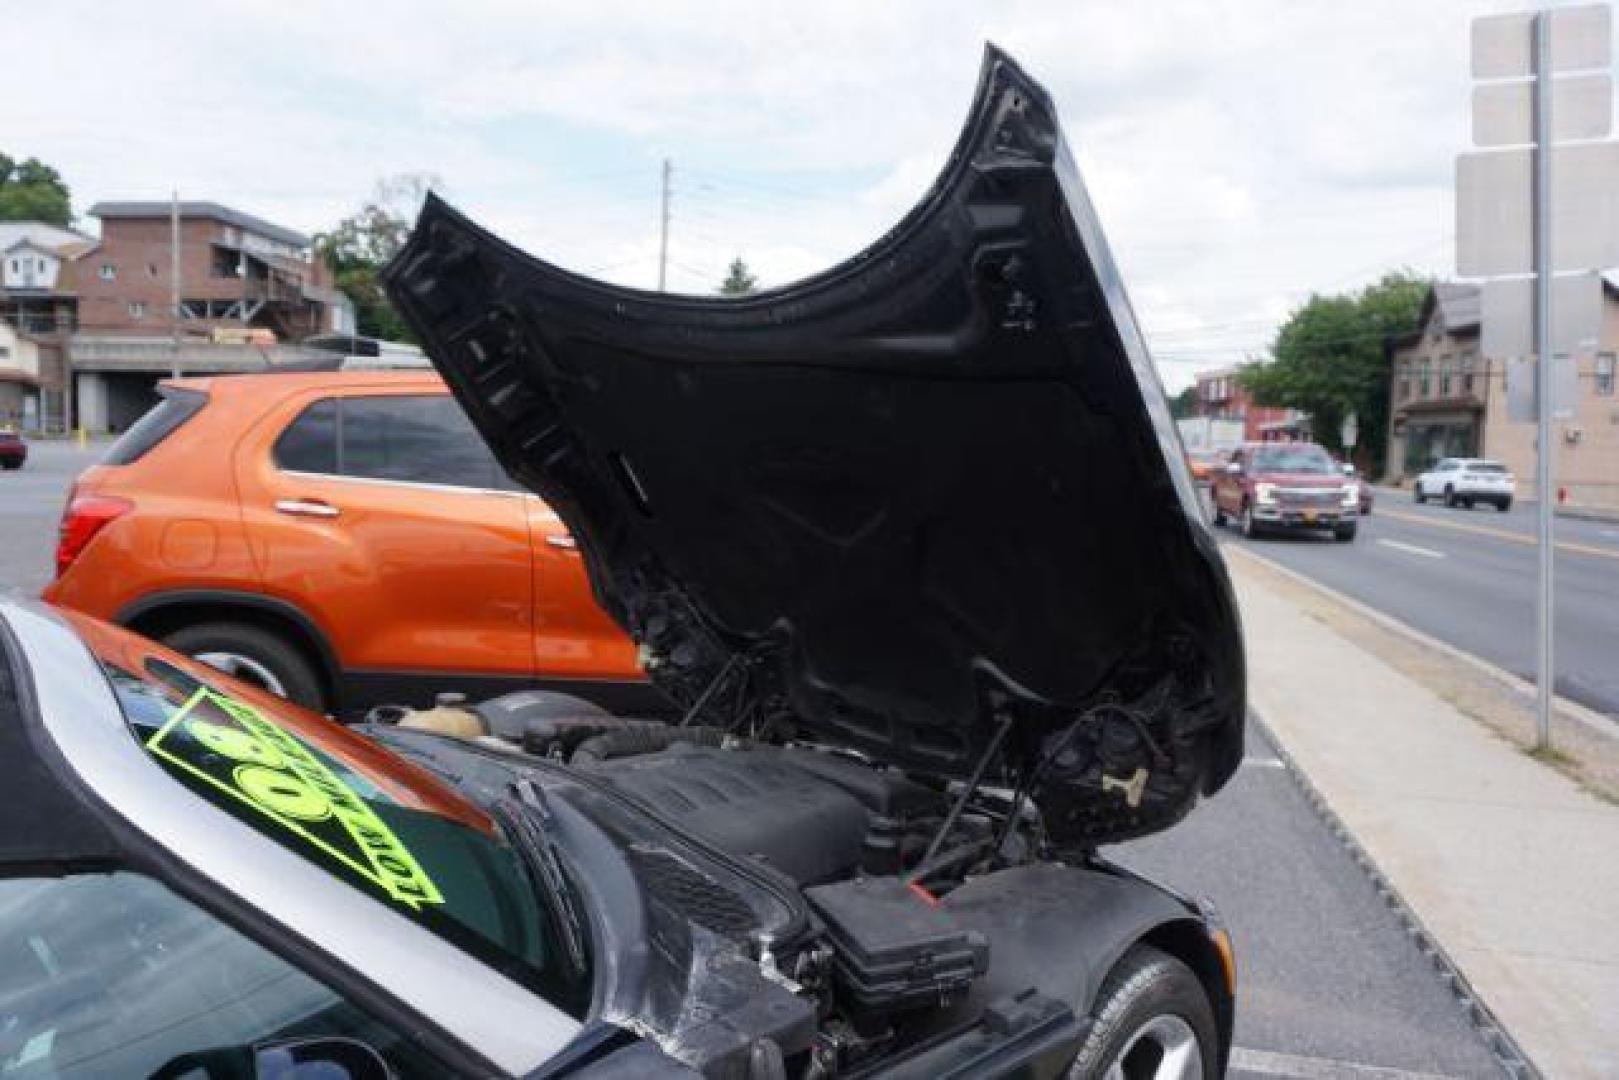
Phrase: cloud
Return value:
(1242, 154)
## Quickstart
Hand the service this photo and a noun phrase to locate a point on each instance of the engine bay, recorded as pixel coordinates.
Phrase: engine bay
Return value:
(921, 908)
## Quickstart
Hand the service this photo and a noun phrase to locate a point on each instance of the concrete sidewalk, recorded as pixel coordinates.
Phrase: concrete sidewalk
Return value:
(1510, 866)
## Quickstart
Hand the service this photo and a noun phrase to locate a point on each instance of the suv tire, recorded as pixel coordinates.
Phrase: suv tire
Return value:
(1450, 496)
(1150, 1006)
(1416, 494)
(1503, 505)
(1250, 527)
(1345, 533)
(255, 655)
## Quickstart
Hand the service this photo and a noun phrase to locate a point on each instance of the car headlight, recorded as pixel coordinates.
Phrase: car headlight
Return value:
(1265, 494)
(1351, 495)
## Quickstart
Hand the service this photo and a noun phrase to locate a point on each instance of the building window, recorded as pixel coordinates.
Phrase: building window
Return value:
(151, 269)
(1405, 388)
(108, 272)
(137, 309)
(1426, 388)
(1603, 376)
(1444, 376)
(1469, 360)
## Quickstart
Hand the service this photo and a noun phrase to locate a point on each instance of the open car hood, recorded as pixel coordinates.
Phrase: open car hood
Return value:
(928, 504)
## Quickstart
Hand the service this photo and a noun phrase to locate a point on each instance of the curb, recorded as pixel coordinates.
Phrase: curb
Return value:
(1506, 1051)
(1573, 711)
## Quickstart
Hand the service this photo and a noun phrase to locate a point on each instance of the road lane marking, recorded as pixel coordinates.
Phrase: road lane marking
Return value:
(1499, 534)
(1263, 763)
(1295, 1067)
(1426, 553)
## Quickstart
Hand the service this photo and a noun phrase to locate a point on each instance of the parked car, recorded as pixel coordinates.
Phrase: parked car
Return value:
(925, 681)
(339, 538)
(1465, 481)
(1293, 486)
(13, 450)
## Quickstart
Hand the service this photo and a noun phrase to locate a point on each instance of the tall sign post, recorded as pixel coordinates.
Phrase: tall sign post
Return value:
(1542, 106)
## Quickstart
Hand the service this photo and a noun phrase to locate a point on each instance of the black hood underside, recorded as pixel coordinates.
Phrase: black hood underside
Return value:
(926, 496)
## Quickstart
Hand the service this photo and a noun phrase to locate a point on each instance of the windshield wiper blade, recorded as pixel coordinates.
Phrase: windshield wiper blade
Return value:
(527, 818)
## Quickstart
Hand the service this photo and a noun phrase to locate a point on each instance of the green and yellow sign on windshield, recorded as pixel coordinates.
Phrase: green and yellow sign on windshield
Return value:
(233, 749)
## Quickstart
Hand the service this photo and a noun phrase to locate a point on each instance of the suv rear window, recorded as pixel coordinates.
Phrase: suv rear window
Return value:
(413, 438)
(160, 421)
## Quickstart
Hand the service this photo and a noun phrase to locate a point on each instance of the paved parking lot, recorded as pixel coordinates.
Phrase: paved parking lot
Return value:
(1330, 984)
(30, 507)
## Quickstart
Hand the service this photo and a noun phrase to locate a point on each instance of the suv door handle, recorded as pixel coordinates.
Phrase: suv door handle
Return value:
(562, 540)
(306, 508)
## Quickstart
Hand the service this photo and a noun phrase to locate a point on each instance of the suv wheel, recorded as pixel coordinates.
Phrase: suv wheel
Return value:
(1153, 1019)
(1416, 493)
(1344, 533)
(1250, 527)
(254, 655)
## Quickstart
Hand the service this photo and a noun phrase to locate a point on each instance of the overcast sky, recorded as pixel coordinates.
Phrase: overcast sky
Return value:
(1241, 154)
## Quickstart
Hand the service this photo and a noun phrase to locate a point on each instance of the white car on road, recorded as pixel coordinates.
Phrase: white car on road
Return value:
(1465, 481)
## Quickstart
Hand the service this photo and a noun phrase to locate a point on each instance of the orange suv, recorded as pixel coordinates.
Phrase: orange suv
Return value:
(340, 538)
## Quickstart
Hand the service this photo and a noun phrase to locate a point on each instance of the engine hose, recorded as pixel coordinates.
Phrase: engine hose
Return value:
(631, 741)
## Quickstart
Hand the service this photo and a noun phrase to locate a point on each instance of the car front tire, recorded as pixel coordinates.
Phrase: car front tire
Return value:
(1450, 496)
(1153, 1019)
(1416, 494)
(255, 655)
(1503, 505)
(1344, 533)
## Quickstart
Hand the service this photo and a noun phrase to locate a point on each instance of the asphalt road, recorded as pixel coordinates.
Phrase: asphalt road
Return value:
(1467, 577)
(1330, 985)
(31, 501)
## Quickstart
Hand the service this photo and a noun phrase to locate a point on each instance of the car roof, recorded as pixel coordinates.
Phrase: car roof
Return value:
(286, 382)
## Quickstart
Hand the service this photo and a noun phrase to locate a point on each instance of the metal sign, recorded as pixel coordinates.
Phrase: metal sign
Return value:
(1503, 113)
(1349, 432)
(1495, 231)
(1508, 314)
(1503, 48)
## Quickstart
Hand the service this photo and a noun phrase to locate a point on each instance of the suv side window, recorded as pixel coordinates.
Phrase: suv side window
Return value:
(424, 439)
(310, 442)
(115, 975)
(416, 438)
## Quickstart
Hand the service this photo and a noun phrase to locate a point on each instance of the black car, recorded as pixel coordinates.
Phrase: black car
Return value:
(851, 524)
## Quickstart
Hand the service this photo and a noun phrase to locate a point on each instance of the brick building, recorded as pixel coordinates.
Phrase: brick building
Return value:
(1447, 399)
(248, 289)
(1221, 395)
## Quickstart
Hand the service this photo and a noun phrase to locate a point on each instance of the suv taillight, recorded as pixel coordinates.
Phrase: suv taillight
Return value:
(85, 516)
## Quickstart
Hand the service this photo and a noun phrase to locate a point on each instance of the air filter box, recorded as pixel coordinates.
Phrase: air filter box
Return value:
(892, 948)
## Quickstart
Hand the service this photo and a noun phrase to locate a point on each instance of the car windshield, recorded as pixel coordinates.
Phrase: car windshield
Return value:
(1292, 458)
(358, 812)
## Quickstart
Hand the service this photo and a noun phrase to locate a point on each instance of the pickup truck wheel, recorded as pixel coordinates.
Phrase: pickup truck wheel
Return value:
(1250, 527)
(1344, 533)
(254, 655)
(1503, 505)
(1153, 1019)
(1219, 515)
(1450, 496)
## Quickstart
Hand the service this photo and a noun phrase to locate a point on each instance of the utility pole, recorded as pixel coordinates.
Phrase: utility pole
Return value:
(174, 283)
(1545, 672)
(663, 233)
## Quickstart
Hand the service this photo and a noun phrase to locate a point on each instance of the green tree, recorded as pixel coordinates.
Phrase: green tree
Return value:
(1329, 360)
(1184, 404)
(739, 280)
(33, 191)
(360, 245)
